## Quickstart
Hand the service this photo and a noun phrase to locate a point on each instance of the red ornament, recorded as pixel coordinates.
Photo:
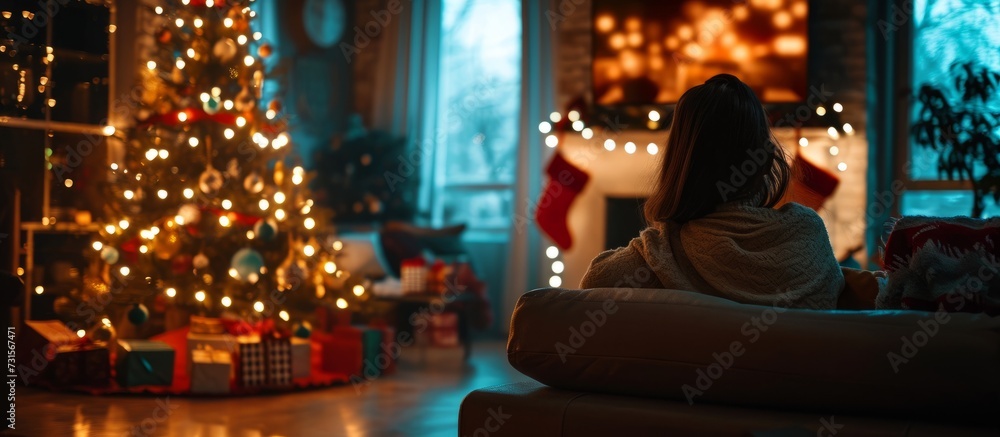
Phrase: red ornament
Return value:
(182, 264)
(164, 36)
(265, 50)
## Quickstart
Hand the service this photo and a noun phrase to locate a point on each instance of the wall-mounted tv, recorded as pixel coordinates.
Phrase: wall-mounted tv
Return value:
(649, 53)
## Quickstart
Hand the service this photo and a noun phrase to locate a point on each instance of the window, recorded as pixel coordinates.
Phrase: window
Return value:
(477, 122)
(946, 32)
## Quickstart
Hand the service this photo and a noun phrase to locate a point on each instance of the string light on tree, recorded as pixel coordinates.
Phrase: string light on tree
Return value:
(185, 194)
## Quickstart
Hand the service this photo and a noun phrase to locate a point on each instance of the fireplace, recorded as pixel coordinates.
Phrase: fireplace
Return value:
(623, 220)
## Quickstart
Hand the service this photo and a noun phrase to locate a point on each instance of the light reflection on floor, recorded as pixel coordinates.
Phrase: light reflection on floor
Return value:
(413, 402)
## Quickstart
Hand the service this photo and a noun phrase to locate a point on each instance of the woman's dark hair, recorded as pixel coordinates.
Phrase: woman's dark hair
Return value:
(720, 149)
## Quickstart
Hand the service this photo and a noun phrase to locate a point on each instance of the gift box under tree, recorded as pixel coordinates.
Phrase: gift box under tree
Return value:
(301, 357)
(79, 365)
(37, 344)
(342, 352)
(251, 368)
(144, 362)
(264, 362)
(219, 342)
(211, 371)
(279, 361)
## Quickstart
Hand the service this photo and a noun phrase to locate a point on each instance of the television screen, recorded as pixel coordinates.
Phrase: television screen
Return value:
(651, 52)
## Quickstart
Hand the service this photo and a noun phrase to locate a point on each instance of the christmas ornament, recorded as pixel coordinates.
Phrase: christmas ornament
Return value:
(212, 105)
(258, 83)
(138, 314)
(189, 213)
(233, 168)
(291, 272)
(565, 183)
(279, 173)
(253, 183)
(247, 264)
(109, 255)
(200, 261)
(210, 181)
(244, 101)
(265, 229)
(302, 329)
(181, 264)
(93, 287)
(166, 244)
(264, 50)
(64, 307)
(102, 333)
(164, 36)
(225, 49)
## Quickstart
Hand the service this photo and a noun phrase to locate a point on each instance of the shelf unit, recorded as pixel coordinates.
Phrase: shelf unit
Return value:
(48, 126)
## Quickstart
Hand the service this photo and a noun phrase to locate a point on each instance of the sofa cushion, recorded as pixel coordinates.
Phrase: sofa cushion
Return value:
(693, 347)
(530, 409)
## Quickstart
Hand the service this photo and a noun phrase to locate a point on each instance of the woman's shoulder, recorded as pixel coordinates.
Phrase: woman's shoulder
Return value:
(798, 212)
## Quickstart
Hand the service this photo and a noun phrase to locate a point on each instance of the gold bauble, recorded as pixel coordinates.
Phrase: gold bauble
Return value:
(166, 244)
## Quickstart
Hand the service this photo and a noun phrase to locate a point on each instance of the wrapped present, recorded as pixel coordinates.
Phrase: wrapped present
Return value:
(211, 371)
(37, 344)
(96, 366)
(389, 351)
(144, 362)
(371, 346)
(413, 275)
(442, 330)
(220, 342)
(342, 351)
(251, 369)
(206, 325)
(279, 361)
(301, 357)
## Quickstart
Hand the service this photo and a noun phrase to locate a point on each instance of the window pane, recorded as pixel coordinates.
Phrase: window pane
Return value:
(944, 204)
(480, 90)
(946, 32)
(485, 209)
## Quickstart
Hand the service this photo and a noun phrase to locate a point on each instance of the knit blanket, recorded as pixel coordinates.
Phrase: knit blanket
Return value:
(746, 254)
(949, 264)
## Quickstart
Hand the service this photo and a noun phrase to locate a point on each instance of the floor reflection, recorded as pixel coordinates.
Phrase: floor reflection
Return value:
(414, 401)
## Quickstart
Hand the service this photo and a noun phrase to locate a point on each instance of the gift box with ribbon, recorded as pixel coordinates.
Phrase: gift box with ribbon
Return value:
(211, 371)
(221, 342)
(206, 325)
(144, 362)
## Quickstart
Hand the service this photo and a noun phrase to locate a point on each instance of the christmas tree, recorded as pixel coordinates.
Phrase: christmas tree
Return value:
(205, 210)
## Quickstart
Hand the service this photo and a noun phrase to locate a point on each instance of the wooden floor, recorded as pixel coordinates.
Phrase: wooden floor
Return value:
(412, 402)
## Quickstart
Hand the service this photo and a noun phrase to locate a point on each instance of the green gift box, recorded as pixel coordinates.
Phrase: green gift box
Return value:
(144, 362)
(371, 346)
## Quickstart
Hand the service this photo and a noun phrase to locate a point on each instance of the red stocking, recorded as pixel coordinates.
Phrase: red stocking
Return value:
(565, 183)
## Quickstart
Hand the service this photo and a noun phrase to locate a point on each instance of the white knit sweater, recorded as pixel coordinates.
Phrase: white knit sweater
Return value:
(747, 254)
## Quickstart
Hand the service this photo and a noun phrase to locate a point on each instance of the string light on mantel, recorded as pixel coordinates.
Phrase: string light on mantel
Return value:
(578, 126)
(843, 132)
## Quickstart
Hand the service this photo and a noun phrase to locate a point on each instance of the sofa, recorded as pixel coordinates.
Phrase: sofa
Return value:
(671, 362)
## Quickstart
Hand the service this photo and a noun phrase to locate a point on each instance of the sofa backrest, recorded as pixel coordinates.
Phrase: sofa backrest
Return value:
(698, 348)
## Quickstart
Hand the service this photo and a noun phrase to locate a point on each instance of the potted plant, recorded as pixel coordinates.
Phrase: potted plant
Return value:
(962, 124)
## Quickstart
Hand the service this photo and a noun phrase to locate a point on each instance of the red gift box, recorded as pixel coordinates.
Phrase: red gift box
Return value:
(37, 344)
(80, 365)
(343, 351)
(442, 330)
